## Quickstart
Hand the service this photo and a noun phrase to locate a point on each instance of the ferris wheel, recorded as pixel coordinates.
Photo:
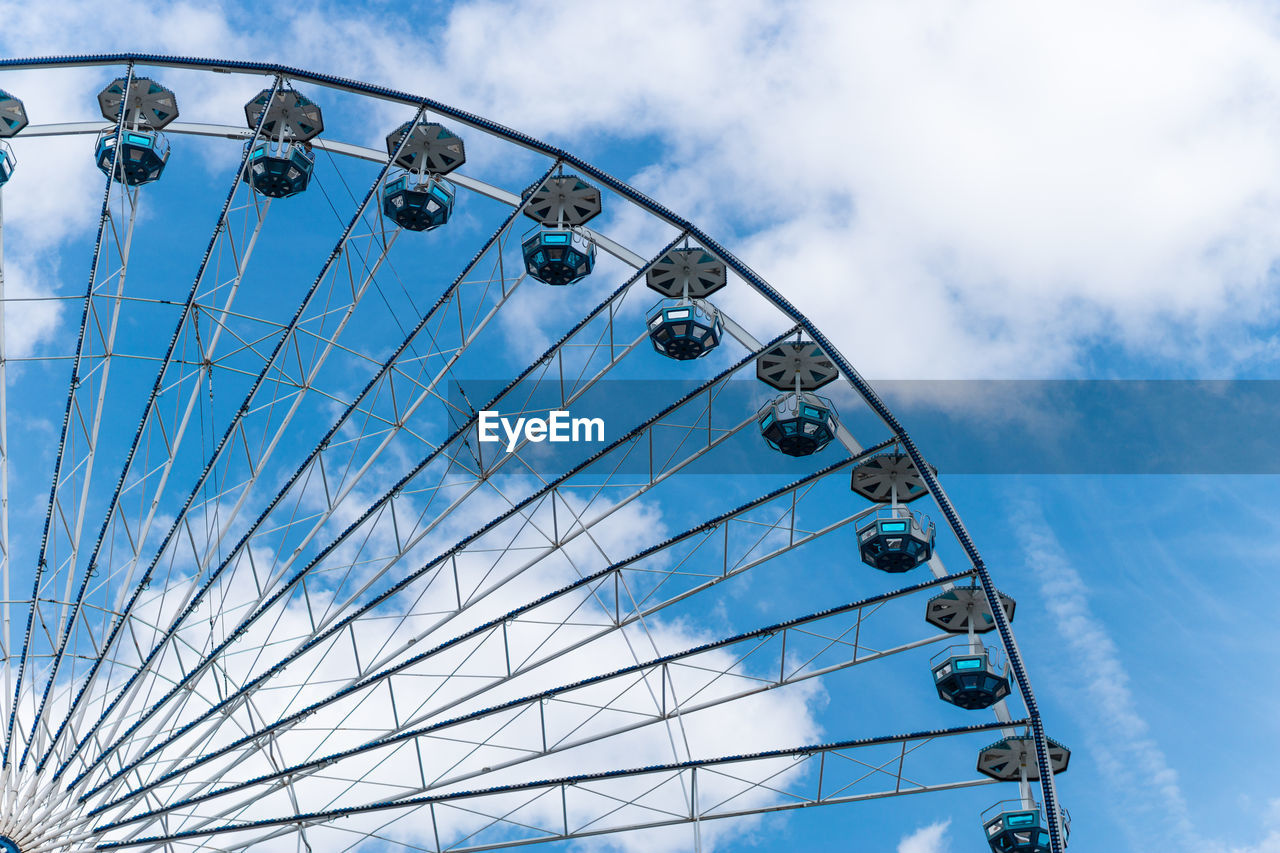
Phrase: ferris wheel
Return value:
(397, 481)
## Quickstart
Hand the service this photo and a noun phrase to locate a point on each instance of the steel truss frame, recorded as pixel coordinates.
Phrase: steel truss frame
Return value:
(585, 802)
(80, 424)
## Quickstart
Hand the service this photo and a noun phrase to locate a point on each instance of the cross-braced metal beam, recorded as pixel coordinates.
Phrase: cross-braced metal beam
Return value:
(270, 374)
(590, 804)
(431, 570)
(512, 733)
(602, 602)
(176, 382)
(82, 418)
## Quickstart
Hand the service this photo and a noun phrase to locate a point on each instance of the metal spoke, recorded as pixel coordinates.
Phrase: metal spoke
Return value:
(91, 365)
(188, 325)
(278, 354)
(568, 716)
(431, 570)
(604, 802)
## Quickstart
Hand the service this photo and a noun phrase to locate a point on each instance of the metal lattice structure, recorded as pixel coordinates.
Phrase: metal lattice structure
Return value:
(285, 591)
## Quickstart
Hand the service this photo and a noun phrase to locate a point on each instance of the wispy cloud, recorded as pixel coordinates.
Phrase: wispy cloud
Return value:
(1137, 772)
(926, 839)
(1270, 844)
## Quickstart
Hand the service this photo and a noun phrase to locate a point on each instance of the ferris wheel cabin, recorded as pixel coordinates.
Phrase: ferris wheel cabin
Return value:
(558, 254)
(685, 332)
(134, 152)
(13, 118)
(558, 257)
(7, 163)
(417, 203)
(797, 424)
(141, 159)
(1016, 827)
(896, 542)
(280, 169)
(965, 608)
(686, 329)
(280, 161)
(1012, 759)
(419, 199)
(969, 678)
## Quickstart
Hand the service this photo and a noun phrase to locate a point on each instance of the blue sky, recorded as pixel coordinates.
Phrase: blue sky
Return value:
(974, 191)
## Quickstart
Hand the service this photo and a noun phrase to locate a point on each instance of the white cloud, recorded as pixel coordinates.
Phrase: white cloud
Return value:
(976, 190)
(1269, 844)
(926, 839)
(32, 316)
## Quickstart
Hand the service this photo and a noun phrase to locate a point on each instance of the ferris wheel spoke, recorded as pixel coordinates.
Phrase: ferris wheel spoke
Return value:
(69, 493)
(589, 608)
(481, 474)
(402, 396)
(173, 381)
(459, 457)
(441, 358)
(337, 488)
(387, 378)
(464, 474)
(602, 306)
(431, 572)
(557, 719)
(6, 629)
(280, 390)
(273, 413)
(444, 300)
(276, 364)
(590, 804)
(790, 534)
